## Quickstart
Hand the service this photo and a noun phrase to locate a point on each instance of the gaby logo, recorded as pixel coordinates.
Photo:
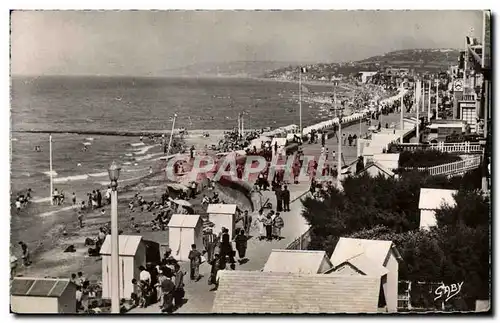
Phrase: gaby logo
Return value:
(448, 291)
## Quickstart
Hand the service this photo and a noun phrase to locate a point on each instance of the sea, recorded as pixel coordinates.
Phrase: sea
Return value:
(82, 104)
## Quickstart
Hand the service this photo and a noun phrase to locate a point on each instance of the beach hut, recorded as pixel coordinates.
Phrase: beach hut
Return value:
(223, 215)
(183, 231)
(297, 261)
(430, 200)
(42, 296)
(372, 258)
(132, 254)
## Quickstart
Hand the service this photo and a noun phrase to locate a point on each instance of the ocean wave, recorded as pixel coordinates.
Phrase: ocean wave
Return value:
(137, 144)
(148, 156)
(71, 178)
(143, 150)
(54, 173)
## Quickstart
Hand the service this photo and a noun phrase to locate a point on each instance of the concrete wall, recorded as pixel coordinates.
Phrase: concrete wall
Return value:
(391, 289)
(427, 219)
(67, 301)
(34, 305)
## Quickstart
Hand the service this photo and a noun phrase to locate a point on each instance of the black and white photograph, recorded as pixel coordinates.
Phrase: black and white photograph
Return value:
(175, 162)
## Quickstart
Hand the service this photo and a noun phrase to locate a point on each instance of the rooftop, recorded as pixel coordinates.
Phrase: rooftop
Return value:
(265, 292)
(295, 261)
(184, 221)
(127, 245)
(42, 287)
(375, 250)
(222, 208)
(434, 198)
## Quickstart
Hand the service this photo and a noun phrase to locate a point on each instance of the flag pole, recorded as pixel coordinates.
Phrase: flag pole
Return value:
(437, 99)
(51, 176)
(239, 125)
(418, 110)
(429, 103)
(242, 127)
(300, 101)
(401, 123)
(171, 135)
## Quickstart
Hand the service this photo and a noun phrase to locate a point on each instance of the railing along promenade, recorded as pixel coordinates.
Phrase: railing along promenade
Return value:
(453, 168)
(461, 148)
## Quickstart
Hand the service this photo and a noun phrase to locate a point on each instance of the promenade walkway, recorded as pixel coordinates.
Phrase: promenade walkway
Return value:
(198, 294)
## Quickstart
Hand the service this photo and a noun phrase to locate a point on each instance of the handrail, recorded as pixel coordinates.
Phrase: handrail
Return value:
(464, 147)
(300, 243)
(451, 168)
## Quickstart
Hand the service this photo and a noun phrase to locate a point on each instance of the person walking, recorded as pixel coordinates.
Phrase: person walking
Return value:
(195, 262)
(209, 242)
(279, 199)
(226, 249)
(247, 222)
(286, 199)
(167, 288)
(349, 139)
(278, 224)
(178, 286)
(268, 224)
(216, 265)
(260, 224)
(159, 290)
(241, 244)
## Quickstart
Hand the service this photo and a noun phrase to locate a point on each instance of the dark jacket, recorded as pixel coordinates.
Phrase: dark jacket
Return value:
(285, 195)
(241, 242)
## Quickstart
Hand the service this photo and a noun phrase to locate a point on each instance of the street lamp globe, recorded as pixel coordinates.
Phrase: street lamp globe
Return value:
(114, 174)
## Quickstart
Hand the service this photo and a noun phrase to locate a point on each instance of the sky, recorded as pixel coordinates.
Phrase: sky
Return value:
(143, 43)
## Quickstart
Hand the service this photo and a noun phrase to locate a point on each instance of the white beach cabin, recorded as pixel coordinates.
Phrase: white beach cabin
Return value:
(132, 254)
(373, 258)
(223, 215)
(42, 296)
(183, 231)
(431, 199)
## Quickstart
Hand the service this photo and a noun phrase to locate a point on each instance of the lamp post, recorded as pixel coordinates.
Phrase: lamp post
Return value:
(114, 174)
(338, 114)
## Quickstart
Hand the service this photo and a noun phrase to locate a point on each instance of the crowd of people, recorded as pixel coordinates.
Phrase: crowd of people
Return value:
(22, 200)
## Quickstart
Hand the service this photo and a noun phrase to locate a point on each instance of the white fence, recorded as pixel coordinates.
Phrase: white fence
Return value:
(458, 167)
(462, 147)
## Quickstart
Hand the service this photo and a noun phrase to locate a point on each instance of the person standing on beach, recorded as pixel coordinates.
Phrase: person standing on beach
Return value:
(108, 195)
(99, 198)
(80, 219)
(26, 254)
(73, 198)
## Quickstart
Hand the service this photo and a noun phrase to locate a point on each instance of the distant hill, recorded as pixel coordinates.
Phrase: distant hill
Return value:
(233, 69)
(421, 60)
